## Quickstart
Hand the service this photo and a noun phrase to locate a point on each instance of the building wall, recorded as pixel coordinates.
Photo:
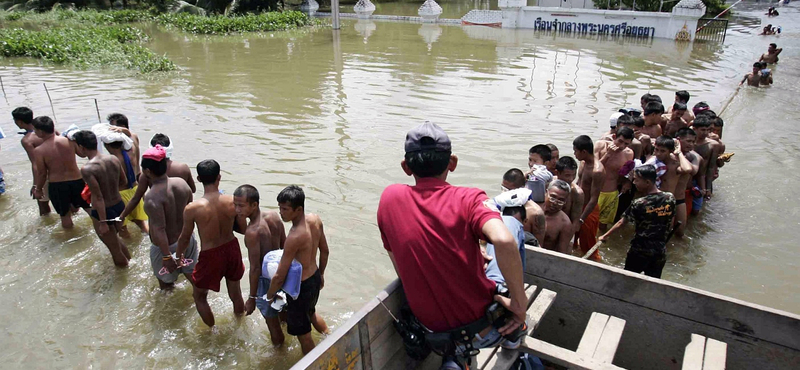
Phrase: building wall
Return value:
(613, 22)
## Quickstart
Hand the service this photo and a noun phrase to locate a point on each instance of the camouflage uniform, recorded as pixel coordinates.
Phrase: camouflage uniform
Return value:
(652, 216)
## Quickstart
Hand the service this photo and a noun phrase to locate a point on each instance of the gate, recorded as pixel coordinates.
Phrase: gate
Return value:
(711, 29)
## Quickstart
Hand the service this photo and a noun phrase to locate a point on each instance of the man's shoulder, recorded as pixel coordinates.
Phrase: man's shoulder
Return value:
(314, 219)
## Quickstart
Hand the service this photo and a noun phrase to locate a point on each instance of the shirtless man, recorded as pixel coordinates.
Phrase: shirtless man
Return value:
(164, 204)
(683, 98)
(653, 121)
(683, 195)
(567, 170)
(119, 121)
(264, 233)
(137, 215)
(538, 176)
(771, 56)
(551, 164)
(591, 177)
(174, 169)
(669, 152)
(23, 118)
(55, 162)
(613, 157)
(709, 150)
(534, 223)
(305, 237)
(102, 175)
(675, 119)
(559, 229)
(754, 77)
(608, 138)
(647, 143)
(215, 216)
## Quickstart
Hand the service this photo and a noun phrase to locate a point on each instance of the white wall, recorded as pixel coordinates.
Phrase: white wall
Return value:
(613, 22)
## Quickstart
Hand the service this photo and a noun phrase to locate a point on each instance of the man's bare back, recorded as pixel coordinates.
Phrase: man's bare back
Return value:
(104, 169)
(307, 236)
(168, 198)
(56, 158)
(214, 215)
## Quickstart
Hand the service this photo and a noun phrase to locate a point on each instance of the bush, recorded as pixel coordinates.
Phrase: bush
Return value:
(713, 7)
(85, 47)
(220, 24)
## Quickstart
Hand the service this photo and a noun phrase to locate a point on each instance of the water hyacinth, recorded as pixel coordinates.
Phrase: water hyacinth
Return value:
(85, 47)
(91, 38)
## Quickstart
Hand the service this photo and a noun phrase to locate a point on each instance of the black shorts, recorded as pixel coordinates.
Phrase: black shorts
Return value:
(650, 264)
(65, 194)
(300, 310)
(111, 212)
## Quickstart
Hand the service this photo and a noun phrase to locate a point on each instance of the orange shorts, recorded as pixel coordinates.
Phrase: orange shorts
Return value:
(689, 200)
(587, 236)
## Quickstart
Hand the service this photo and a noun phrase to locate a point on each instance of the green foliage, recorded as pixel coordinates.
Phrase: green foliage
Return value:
(713, 7)
(220, 24)
(85, 47)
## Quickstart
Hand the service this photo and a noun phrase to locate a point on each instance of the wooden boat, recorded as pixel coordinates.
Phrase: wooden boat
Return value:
(587, 315)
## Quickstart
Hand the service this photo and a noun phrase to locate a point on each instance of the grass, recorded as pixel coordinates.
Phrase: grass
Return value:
(198, 24)
(85, 47)
(90, 38)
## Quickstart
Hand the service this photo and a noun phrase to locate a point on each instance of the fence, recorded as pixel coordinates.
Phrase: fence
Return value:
(711, 30)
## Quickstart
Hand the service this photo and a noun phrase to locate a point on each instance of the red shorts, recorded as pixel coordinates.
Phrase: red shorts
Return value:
(214, 264)
(587, 236)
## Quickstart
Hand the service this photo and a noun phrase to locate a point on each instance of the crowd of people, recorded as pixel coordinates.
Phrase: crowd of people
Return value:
(155, 192)
(456, 250)
(654, 168)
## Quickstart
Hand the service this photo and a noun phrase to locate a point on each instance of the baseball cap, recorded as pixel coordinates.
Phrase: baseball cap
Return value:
(614, 117)
(438, 139)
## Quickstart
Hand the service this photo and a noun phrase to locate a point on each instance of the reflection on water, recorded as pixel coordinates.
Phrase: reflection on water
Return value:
(328, 111)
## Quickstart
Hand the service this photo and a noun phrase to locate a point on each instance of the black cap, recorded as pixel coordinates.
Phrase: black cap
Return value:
(439, 142)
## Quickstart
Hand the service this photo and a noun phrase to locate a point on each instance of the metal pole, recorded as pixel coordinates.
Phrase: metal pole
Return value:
(97, 107)
(335, 14)
(51, 102)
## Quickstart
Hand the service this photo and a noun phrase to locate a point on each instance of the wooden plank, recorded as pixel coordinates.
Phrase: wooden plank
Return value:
(746, 319)
(539, 308)
(504, 358)
(366, 352)
(609, 342)
(562, 356)
(386, 347)
(693, 356)
(716, 355)
(486, 354)
(592, 333)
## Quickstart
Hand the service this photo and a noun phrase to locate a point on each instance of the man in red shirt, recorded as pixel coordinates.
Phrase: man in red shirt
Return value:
(431, 231)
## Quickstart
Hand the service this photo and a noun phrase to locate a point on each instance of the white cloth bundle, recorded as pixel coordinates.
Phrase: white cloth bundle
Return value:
(107, 136)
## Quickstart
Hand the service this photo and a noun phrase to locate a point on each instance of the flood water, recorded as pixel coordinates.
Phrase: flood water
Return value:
(330, 114)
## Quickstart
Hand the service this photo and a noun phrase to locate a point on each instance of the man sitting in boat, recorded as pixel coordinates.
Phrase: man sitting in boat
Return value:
(431, 232)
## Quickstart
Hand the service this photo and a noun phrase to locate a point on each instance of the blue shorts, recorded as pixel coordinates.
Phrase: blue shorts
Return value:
(266, 310)
(697, 202)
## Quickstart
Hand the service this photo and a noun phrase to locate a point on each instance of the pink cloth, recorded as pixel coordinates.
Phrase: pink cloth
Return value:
(156, 153)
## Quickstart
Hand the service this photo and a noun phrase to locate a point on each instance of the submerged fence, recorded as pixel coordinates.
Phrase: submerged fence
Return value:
(710, 29)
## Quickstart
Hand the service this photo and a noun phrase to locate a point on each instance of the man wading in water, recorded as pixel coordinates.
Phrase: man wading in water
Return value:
(431, 231)
(652, 215)
(55, 162)
(164, 204)
(305, 237)
(264, 233)
(23, 118)
(103, 174)
(220, 256)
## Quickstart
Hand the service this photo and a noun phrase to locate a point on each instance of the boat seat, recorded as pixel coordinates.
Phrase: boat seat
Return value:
(595, 351)
(601, 337)
(704, 354)
(502, 359)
